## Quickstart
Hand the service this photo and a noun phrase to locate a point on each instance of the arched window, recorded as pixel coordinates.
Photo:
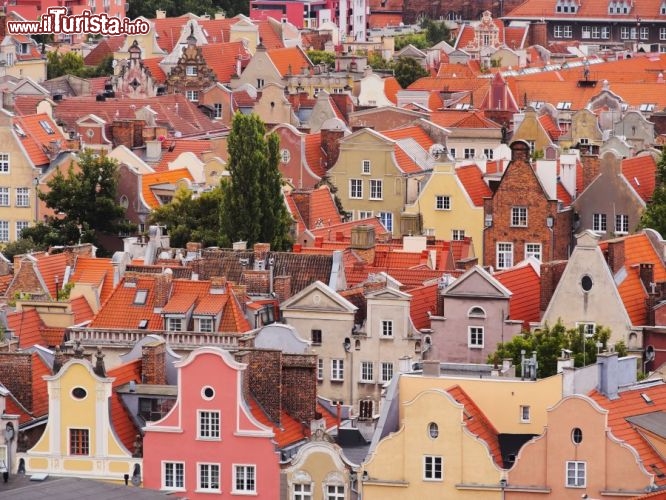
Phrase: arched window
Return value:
(476, 312)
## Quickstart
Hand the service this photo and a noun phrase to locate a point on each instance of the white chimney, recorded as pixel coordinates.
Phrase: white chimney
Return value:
(568, 173)
(160, 14)
(153, 150)
(546, 171)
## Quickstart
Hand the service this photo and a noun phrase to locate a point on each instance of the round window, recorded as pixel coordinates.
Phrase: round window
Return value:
(586, 283)
(79, 393)
(577, 435)
(433, 430)
(208, 392)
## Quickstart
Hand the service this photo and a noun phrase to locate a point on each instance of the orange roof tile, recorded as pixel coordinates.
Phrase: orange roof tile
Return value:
(384, 19)
(391, 88)
(173, 148)
(563, 195)
(233, 319)
(221, 58)
(471, 178)
(14, 407)
(122, 422)
(26, 326)
(167, 177)
(630, 403)
(647, 10)
(524, 282)
(288, 431)
(40, 395)
(184, 294)
(640, 174)
(120, 311)
(268, 32)
(424, 300)
(345, 229)
(168, 31)
(477, 423)
(549, 125)
(211, 304)
(289, 58)
(52, 268)
(96, 271)
(314, 154)
(33, 132)
(323, 208)
(295, 214)
(404, 162)
(106, 47)
(5, 280)
(156, 71)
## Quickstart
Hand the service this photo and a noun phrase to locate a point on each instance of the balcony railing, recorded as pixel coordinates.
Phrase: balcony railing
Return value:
(94, 336)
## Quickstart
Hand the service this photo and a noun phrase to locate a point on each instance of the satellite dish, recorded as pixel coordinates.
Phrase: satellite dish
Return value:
(114, 63)
(649, 353)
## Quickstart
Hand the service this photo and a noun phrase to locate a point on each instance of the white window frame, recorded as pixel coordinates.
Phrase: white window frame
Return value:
(376, 189)
(209, 488)
(662, 34)
(217, 110)
(387, 369)
(244, 490)
(473, 333)
(599, 223)
(4, 231)
(433, 468)
(320, 369)
(605, 32)
(364, 214)
(209, 425)
(191, 70)
(489, 153)
(365, 167)
(4, 197)
(22, 197)
(387, 328)
(557, 31)
(355, 189)
(386, 219)
(302, 491)
(525, 414)
(367, 371)
(504, 249)
(20, 226)
(192, 95)
(533, 250)
(519, 217)
(644, 33)
(589, 328)
(337, 369)
(568, 31)
(172, 322)
(469, 153)
(210, 325)
(624, 33)
(442, 202)
(621, 224)
(457, 234)
(572, 474)
(174, 464)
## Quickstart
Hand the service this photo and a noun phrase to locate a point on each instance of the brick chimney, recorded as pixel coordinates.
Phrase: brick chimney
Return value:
(218, 284)
(539, 34)
(265, 381)
(615, 255)
(163, 288)
(363, 242)
(299, 386)
(282, 287)
(16, 375)
(3, 25)
(261, 252)
(591, 168)
(301, 199)
(520, 151)
(153, 363)
(551, 272)
(646, 273)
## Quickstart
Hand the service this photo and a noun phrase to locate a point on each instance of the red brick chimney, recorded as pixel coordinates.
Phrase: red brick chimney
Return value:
(551, 272)
(615, 255)
(591, 169)
(265, 381)
(163, 288)
(646, 273)
(330, 144)
(153, 363)
(299, 386)
(282, 287)
(538, 34)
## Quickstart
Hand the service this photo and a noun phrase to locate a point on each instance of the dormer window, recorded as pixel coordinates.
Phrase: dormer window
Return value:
(140, 297)
(47, 128)
(24, 48)
(174, 324)
(206, 325)
(662, 9)
(566, 7)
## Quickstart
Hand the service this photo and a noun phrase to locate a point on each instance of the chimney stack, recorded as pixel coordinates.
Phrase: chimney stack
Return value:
(615, 255)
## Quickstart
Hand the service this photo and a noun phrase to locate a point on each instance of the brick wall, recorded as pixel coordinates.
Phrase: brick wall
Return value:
(282, 287)
(591, 168)
(257, 282)
(16, 375)
(551, 272)
(538, 34)
(153, 363)
(299, 386)
(261, 251)
(25, 280)
(330, 143)
(615, 255)
(302, 202)
(162, 289)
(265, 381)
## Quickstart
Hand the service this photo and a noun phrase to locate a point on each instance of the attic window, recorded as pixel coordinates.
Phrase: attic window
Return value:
(143, 324)
(19, 130)
(659, 473)
(564, 105)
(647, 107)
(47, 128)
(140, 297)
(647, 398)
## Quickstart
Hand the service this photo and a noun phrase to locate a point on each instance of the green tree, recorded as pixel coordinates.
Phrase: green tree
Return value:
(191, 219)
(87, 200)
(418, 40)
(377, 62)
(19, 247)
(549, 343)
(318, 57)
(254, 209)
(71, 63)
(435, 32)
(654, 215)
(407, 70)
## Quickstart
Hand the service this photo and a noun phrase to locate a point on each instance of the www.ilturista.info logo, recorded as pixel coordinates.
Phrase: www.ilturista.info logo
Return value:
(85, 23)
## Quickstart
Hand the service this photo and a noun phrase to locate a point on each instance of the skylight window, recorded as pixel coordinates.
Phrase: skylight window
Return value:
(143, 324)
(647, 398)
(647, 107)
(564, 105)
(19, 130)
(47, 128)
(140, 297)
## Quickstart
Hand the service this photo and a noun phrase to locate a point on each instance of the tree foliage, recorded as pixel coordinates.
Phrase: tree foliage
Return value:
(191, 219)
(175, 8)
(85, 201)
(407, 70)
(321, 56)
(253, 204)
(435, 32)
(549, 343)
(654, 215)
(71, 63)
(418, 40)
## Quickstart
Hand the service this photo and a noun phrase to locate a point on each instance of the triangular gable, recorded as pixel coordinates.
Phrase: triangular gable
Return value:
(388, 293)
(477, 282)
(320, 296)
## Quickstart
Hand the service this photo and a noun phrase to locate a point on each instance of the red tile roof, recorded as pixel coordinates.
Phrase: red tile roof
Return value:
(166, 177)
(295, 214)
(156, 71)
(26, 325)
(168, 31)
(323, 209)
(95, 271)
(184, 294)
(391, 88)
(211, 304)
(424, 300)
(52, 268)
(81, 310)
(471, 178)
(120, 311)
(563, 195)
(106, 47)
(344, 229)
(477, 423)
(35, 137)
(630, 403)
(221, 58)
(233, 318)
(549, 125)
(122, 422)
(40, 395)
(597, 9)
(382, 19)
(314, 154)
(27, 104)
(288, 58)
(524, 282)
(640, 174)
(269, 33)
(173, 148)
(288, 431)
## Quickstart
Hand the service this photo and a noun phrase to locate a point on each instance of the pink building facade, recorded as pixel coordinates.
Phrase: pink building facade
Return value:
(209, 443)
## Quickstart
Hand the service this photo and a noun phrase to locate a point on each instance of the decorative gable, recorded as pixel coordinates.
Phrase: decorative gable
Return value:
(477, 283)
(135, 79)
(191, 74)
(320, 297)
